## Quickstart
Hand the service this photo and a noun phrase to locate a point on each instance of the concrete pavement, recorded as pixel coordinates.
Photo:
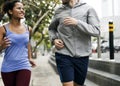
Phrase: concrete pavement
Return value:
(106, 57)
(1, 83)
(43, 74)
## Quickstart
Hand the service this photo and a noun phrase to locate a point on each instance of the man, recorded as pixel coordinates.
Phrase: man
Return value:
(70, 31)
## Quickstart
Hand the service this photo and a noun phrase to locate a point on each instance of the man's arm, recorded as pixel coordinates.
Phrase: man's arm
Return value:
(53, 29)
(92, 27)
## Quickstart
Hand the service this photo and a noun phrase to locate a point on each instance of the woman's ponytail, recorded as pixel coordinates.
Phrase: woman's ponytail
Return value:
(1, 15)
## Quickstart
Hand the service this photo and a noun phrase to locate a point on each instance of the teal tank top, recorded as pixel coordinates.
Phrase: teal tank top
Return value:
(16, 55)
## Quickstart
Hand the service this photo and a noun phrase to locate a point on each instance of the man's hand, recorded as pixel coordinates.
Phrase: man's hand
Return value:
(70, 21)
(58, 43)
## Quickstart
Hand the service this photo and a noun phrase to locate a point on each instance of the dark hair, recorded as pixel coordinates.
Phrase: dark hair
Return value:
(9, 5)
(1, 15)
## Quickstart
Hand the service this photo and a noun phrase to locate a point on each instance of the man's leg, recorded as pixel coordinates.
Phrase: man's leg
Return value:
(65, 69)
(75, 84)
(68, 83)
(80, 72)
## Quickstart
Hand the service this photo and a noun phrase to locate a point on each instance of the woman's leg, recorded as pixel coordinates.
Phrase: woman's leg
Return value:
(23, 77)
(9, 78)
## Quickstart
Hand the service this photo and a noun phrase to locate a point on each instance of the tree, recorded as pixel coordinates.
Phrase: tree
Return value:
(38, 16)
(1, 14)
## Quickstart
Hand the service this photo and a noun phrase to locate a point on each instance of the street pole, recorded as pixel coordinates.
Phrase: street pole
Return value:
(99, 48)
(111, 40)
(113, 11)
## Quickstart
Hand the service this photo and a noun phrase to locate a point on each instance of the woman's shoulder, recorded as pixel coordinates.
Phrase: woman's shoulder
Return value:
(3, 28)
(27, 27)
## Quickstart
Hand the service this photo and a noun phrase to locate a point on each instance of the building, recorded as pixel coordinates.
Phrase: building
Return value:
(110, 8)
(110, 12)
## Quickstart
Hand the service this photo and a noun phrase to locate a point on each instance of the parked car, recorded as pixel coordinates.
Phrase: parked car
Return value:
(104, 46)
(94, 47)
(117, 46)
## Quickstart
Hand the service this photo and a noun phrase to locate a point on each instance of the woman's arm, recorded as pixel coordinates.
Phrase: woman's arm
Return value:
(1, 38)
(4, 41)
(30, 50)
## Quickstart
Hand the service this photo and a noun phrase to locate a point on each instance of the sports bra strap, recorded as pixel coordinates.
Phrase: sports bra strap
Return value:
(5, 30)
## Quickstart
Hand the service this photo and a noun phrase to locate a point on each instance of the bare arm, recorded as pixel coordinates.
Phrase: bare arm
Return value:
(30, 50)
(4, 41)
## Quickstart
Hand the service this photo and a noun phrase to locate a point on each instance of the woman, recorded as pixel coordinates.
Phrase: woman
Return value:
(14, 39)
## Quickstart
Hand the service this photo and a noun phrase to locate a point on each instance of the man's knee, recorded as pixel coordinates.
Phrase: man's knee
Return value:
(68, 83)
(75, 84)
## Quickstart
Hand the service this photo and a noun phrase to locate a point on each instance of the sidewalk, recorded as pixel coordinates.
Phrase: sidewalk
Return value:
(1, 83)
(106, 57)
(43, 74)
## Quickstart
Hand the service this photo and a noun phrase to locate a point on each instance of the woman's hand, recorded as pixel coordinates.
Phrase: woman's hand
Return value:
(5, 43)
(33, 64)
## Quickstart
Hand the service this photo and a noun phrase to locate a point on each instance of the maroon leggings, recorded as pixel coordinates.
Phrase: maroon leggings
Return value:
(16, 78)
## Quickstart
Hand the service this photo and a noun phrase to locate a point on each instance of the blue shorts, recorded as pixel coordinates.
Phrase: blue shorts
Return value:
(72, 68)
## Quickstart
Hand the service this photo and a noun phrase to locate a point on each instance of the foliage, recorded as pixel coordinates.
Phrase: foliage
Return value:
(38, 16)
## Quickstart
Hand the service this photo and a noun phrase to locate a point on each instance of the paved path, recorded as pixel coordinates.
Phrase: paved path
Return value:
(106, 57)
(1, 83)
(43, 74)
